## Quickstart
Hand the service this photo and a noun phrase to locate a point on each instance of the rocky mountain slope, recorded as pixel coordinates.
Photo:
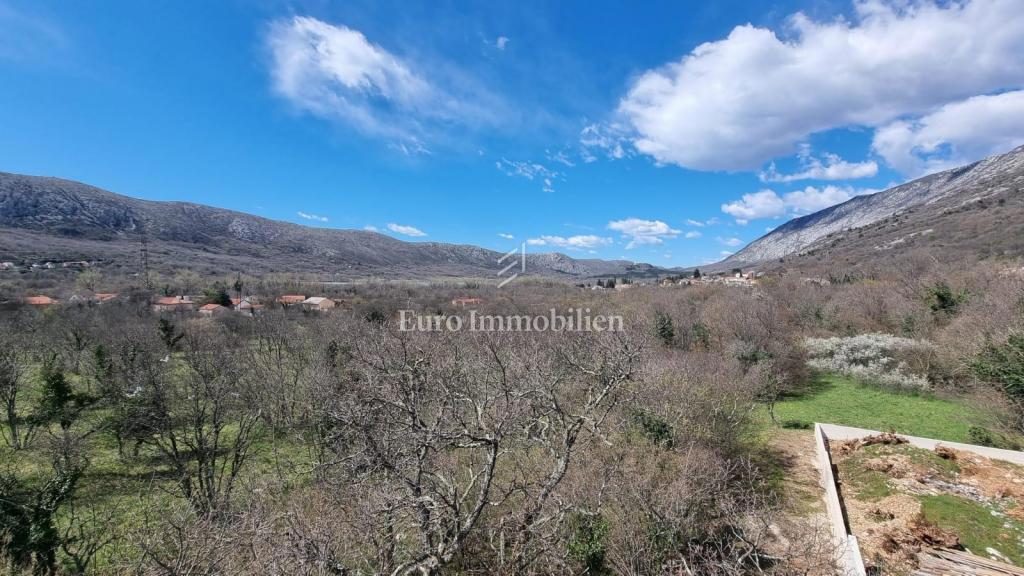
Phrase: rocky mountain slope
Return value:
(935, 201)
(51, 218)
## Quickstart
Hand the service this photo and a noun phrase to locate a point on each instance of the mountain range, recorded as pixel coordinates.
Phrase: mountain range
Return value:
(43, 218)
(974, 211)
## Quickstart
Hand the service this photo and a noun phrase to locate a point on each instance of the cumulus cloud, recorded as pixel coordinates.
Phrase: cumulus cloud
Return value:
(371, 228)
(500, 42)
(406, 230)
(335, 72)
(640, 232)
(812, 199)
(506, 236)
(760, 204)
(812, 168)
(768, 204)
(729, 241)
(738, 102)
(954, 134)
(693, 234)
(572, 242)
(309, 216)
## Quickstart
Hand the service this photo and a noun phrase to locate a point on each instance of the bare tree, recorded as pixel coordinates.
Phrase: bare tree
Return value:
(425, 427)
(20, 428)
(201, 422)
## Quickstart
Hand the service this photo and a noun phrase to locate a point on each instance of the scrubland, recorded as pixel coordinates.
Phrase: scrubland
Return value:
(332, 443)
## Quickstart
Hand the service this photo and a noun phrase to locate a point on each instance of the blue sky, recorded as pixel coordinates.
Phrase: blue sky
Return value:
(671, 133)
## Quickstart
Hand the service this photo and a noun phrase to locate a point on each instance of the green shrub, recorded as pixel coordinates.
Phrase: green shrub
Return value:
(984, 437)
(943, 300)
(587, 542)
(653, 428)
(1003, 364)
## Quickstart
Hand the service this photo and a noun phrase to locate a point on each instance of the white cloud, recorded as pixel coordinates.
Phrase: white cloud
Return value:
(308, 216)
(761, 204)
(371, 228)
(812, 199)
(767, 204)
(730, 241)
(500, 42)
(609, 139)
(530, 171)
(335, 72)
(812, 168)
(406, 230)
(641, 232)
(572, 242)
(738, 102)
(561, 157)
(693, 234)
(723, 253)
(953, 135)
(702, 223)
(506, 236)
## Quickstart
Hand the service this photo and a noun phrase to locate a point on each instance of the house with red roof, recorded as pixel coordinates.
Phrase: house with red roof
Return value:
(39, 301)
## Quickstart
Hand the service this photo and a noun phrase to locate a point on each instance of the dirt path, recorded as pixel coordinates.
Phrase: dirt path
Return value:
(804, 527)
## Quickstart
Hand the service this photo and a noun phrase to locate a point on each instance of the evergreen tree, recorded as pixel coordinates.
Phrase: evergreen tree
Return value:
(57, 397)
(664, 328)
(169, 333)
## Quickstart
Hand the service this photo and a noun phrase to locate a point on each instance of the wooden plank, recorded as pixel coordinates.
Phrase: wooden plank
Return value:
(956, 563)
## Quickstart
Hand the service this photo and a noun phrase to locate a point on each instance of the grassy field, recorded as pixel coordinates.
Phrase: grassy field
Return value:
(839, 400)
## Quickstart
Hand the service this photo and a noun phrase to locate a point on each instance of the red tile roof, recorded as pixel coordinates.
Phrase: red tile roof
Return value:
(291, 298)
(172, 301)
(39, 300)
(210, 306)
(465, 301)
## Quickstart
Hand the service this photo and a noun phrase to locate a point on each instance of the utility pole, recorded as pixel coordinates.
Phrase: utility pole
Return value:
(147, 282)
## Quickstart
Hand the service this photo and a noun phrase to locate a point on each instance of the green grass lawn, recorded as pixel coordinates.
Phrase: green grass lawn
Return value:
(838, 400)
(979, 527)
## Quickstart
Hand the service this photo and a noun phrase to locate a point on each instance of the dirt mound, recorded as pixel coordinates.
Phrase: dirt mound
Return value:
(888, 438)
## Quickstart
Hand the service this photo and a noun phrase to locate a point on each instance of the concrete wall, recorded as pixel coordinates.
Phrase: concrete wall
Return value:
(847, 549)
(836, 432)
(849, 557)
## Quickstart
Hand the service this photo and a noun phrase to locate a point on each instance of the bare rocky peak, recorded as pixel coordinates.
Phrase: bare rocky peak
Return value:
(986, 177)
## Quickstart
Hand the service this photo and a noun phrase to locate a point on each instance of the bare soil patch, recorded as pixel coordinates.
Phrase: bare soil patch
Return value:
(901, 500)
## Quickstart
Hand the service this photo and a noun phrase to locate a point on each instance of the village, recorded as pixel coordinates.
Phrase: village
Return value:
(252, 305)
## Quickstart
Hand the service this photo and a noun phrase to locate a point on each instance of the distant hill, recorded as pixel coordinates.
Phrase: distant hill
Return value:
(50, 218)
(971, 211)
